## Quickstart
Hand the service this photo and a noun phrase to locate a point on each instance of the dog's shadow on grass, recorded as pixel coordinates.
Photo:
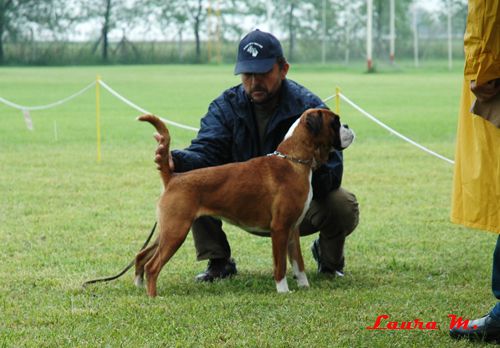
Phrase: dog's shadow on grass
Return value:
(245, 283)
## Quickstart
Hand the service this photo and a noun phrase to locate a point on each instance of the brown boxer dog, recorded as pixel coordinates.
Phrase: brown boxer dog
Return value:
(269, 193)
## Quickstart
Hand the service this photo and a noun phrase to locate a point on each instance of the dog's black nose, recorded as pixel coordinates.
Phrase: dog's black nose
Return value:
(346, 126)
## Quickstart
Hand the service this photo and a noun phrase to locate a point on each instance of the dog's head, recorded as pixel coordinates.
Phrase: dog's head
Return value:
(327, 131)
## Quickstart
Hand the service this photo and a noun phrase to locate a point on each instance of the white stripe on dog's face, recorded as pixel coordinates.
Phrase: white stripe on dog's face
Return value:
(291, 129)
(346, 136)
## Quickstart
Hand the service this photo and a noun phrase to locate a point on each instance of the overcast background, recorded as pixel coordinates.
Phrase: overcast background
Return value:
(205, 31)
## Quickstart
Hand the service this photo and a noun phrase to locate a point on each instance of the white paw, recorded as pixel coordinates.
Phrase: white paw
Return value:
(302, 281)
(282, 286)
(139, 281)
(300, 276)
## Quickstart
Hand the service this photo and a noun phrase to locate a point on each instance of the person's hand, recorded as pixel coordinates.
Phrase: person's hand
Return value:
(485, 91)
(161, 153)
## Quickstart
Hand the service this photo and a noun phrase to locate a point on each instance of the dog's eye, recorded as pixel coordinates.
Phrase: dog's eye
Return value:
(335, 123)
(314, 122)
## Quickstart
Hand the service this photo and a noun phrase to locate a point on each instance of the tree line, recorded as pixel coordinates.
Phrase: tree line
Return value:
(204, 31)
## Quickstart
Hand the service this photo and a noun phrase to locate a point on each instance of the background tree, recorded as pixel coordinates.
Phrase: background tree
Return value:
(105, 29)
(27, 20)
(38, 31)
(174, 18)
(179, 14)
(104, 13)
(287, 15)
(108, 15)
(458, 11)
(320, 27)
(381, 13)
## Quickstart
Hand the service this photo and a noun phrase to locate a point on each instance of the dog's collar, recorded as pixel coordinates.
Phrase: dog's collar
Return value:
(293, 159)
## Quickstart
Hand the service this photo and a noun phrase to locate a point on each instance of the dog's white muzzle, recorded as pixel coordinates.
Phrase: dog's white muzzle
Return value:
(346, 136)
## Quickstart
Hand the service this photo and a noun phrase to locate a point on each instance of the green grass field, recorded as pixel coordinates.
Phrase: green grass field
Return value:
(64, 219)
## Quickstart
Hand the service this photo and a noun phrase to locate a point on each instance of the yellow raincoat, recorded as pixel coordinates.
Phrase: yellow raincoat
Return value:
(476, 182)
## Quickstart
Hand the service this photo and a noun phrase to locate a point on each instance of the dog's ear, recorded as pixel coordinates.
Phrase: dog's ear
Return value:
(314, 122)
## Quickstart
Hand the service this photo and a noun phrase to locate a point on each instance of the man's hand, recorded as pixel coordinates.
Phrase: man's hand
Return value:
(486, 91)
(161, 153)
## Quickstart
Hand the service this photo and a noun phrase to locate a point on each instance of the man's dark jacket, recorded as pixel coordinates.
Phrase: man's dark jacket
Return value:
(228, 133)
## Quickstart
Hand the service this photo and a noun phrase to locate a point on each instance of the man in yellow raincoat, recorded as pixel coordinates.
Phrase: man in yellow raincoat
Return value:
(476, 184)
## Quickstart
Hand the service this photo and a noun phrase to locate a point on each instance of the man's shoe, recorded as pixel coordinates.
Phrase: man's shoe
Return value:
(217, 269)
(316, 252)
(484, 329)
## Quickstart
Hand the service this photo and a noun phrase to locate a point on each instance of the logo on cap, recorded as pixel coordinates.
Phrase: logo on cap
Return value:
(253, 48)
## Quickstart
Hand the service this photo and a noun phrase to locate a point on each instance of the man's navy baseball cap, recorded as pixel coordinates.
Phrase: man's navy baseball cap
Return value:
(257, 53)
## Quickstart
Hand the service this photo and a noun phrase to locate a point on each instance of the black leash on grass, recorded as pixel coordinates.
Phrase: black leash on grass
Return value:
(107, 279)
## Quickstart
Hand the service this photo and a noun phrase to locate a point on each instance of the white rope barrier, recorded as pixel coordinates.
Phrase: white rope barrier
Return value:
(327, 99)
(183, 126)
(48, 106)
(138, 108)
(383, 125)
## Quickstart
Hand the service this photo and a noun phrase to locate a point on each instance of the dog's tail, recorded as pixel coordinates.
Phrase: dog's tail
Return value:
(163, 164)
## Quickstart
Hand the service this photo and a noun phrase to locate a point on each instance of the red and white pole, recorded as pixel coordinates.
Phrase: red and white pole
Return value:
(392, 31)
(369, 48)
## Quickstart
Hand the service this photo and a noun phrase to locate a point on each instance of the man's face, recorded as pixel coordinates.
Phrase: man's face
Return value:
(263, 87)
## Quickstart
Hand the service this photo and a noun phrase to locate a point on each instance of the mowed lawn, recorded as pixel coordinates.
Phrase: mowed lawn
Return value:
(65, 219)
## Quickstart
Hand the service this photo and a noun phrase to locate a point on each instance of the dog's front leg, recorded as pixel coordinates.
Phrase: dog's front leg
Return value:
(280, 240)
(296, 260)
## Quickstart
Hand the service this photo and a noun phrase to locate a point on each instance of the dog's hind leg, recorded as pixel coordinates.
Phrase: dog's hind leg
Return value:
(170, 239)
(140, 260)
(296, 260)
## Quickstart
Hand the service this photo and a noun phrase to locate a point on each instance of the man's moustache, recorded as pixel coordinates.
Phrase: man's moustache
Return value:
(258, 88)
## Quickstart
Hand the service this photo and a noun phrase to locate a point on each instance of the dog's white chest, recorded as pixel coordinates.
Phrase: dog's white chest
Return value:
(292, 128)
